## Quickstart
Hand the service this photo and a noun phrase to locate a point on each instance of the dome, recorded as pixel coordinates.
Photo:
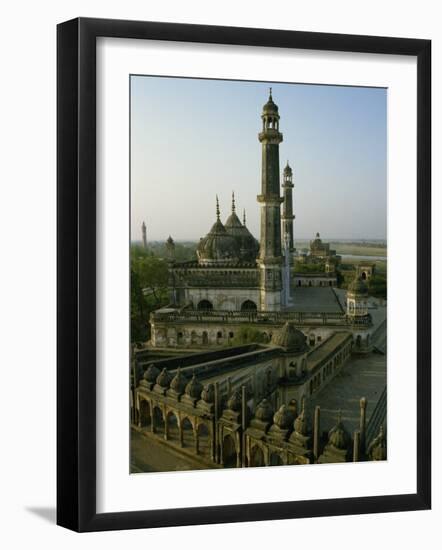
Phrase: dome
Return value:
(283, 418)
(179, 382)
(264, 411)
(270, 108)
(151, 373)
(357, 286)
(218, 245)
(208, 394)
(288, 170)
(290, 338)
(338, 435)
(234, 402)
(301, 423)
(194, 388)
(378, 447)
(163, 379)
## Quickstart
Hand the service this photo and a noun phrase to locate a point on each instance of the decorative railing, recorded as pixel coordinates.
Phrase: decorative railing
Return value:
(259, 317)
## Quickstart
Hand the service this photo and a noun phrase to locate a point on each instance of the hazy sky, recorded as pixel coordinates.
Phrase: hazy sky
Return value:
(192, 139)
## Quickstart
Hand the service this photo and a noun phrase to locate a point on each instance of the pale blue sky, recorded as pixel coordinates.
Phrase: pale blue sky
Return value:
(192, 139)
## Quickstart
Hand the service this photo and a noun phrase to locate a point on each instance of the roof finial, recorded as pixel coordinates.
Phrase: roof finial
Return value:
(233, 202)
(217, 208)
(270, 94)
(244, 217)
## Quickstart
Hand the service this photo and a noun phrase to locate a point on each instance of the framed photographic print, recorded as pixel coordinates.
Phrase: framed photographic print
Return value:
(243, 274)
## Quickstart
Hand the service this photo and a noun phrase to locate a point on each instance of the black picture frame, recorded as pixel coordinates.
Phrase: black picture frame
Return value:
(76, 273)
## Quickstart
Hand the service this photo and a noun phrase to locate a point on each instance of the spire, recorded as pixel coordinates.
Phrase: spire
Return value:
(233, 202)
(244, 217)
(270, 94)
(217, 208)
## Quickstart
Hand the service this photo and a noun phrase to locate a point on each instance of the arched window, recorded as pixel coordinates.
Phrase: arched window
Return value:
(256, 457)
(204, 305)
(248, 305)
(188, 437)
(172, 426)
(205, 338)
(229, 452)
(275, 460)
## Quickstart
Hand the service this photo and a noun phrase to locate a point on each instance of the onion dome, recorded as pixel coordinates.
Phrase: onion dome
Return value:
(264, 411)
(151, 374)
(234, 402)
(163, 379)
(290, 338)
(179, 382)
(358, 286)
(208, 393)
(283, 418)
(194, 388)
(378, 447)
(218, 245)
(338, 435)
(270, 108)
(246, 242)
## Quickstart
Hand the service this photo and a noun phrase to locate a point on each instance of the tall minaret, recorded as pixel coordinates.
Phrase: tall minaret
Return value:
(270, 256)
(287, 206)
(143, 231)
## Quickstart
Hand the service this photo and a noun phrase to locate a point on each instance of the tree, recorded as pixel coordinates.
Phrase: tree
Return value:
(377, 285)
(249, 335)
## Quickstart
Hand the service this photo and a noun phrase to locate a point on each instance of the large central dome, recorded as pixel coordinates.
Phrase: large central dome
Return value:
(248, 245)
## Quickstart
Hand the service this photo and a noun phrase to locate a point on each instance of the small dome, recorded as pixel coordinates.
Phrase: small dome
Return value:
(264, 411)
(378, 447)
(288, 170)
(217, 245)
(208, 394)
(301, 423)
(358, 286)
(194, 388)
(290, 338)
(283, 418)
(163, 379)
(151, 373)
(338, 436)
(270, 108)
(234, 402)
(179, 382)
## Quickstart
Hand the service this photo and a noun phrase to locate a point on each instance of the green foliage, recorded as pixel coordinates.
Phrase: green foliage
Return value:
(249, 335)
(149, 289)
(301, 267)
(377, 286)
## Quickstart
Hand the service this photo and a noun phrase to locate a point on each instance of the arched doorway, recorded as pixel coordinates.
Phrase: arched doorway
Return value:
(204, 305)
(256, 457)
(158, 420)
(193, 337)
(188, 436)
(219, 337)
(275, 460)
(204, 441)
(172, 427)
(248, 305)
(229, 452)
(364, 276)
(180, 338)
(144, 414)
(205, 338)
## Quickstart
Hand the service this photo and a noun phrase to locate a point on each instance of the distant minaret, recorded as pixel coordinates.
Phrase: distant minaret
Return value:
(143, 231)
(287, 206)
(270, 255)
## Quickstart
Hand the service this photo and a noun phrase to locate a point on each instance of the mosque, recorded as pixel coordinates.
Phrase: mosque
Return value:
(215, 403)
(237, 280)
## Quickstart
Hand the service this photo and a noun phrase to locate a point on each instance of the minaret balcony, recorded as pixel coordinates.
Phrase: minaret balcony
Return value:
(270, 136)
(270, 199)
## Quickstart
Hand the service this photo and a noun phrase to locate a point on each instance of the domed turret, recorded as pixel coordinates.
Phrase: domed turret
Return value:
(151, 374)
(290, 338)
(301, 423)
(264, 411)
(163, 379)
(270, 108)
(283, 418)
(179, 382)
(218, 246)
(208, 394)
(378, 447)
(234, 402)
(338, 435)
(194, 388)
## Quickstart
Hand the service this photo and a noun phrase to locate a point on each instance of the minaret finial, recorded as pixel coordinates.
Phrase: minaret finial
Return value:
(244, 217)
(233, 202)
(270, 94)
(217, 208)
